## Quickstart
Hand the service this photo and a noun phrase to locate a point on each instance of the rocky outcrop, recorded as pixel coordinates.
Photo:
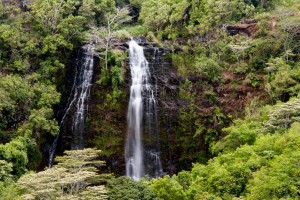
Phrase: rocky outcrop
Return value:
(245, 27)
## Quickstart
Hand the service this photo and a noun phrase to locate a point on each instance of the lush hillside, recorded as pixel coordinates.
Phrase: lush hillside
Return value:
(233, 80)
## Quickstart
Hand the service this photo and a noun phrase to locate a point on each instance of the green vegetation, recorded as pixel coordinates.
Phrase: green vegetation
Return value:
(266, 168)
(237, 64)
(124, 188)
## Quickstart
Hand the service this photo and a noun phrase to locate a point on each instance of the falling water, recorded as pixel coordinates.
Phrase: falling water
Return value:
(82, 92)
(77, 102)
(142, 97)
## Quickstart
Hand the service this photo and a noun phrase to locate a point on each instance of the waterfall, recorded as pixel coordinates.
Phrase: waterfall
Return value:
(142, 98)
(77, 103)
(82, 92)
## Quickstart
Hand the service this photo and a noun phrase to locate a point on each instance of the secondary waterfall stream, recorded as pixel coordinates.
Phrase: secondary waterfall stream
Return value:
(77, 103)
(142, 107)
(82, 92)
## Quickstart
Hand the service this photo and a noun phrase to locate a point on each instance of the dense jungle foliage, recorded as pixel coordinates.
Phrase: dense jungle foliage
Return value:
(239, 71)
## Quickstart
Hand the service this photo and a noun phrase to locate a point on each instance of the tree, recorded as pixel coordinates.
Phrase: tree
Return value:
(206, 15)
(21, 153)
(55, 22)
(123, 188)
(167, 188)
(5, 170)
(282, 116)
(240, 133)
(106, 36)
(239, 47)
(74, 177)
(279, 179)
(94, 11)
(158, 15)
(283, 79)
(155, 14)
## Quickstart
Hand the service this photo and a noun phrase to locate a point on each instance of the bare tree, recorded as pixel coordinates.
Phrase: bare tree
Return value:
(107, 35)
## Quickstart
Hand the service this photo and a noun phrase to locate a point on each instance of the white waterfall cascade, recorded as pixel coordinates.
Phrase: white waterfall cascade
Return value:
(141, 93)
(82, 93)
(79, 96)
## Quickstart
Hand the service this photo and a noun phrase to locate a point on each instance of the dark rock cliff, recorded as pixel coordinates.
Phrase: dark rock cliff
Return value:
(107, 124)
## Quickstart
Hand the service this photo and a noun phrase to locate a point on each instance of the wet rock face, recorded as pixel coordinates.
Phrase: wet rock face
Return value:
(167, 86)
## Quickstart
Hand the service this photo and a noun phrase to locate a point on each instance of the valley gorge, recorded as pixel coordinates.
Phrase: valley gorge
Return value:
(148, 100)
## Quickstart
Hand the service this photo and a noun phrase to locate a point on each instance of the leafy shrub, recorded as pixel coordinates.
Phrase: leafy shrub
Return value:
(167, 188)
(208, 68)
(210, 96)
(123, 188)
(252, 79)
